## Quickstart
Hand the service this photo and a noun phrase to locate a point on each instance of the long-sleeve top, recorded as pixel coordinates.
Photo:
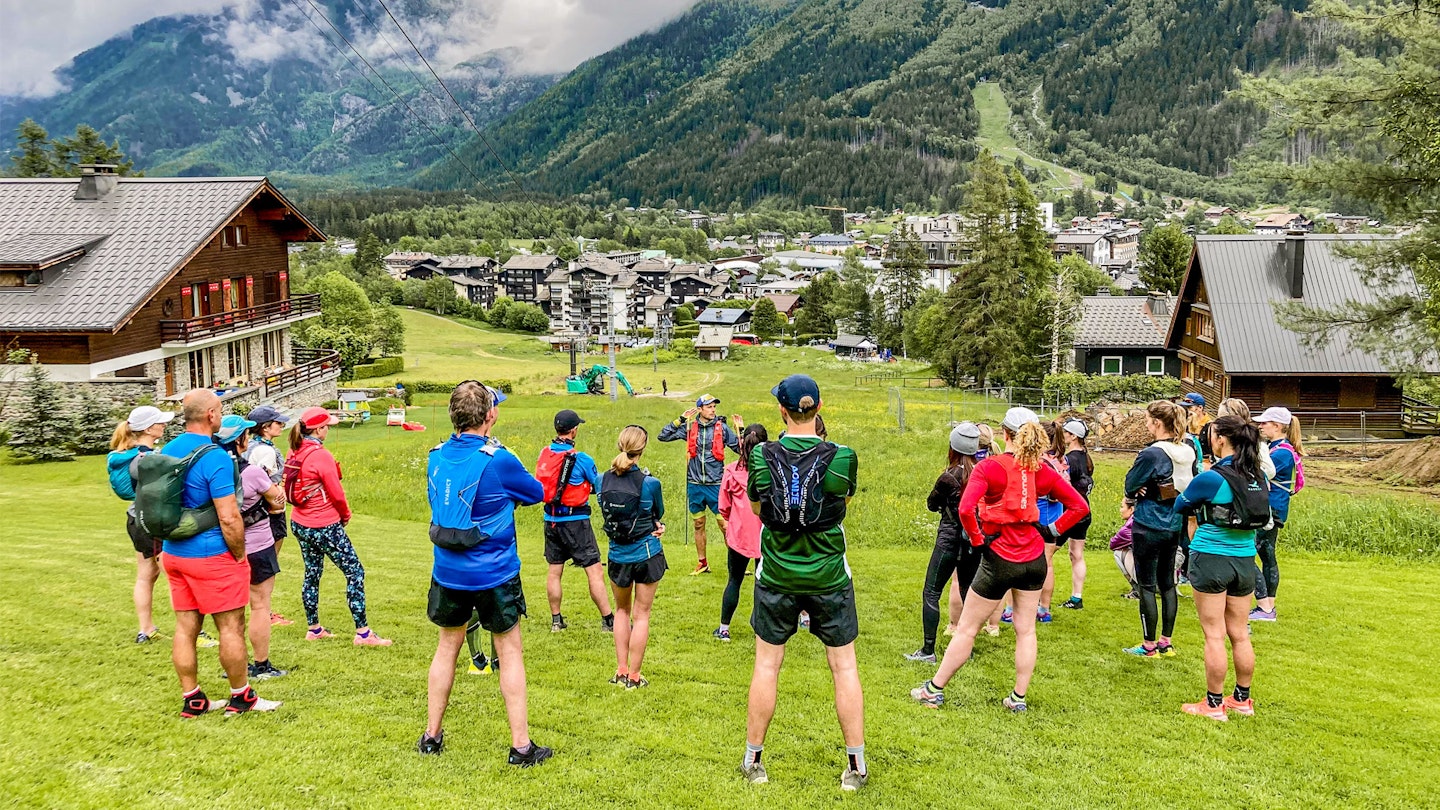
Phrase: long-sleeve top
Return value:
(704, 468)
(1152, 465)
(319, 489)
(1017, 542)
(1282, 482)
(1212, 488)
(652, 503)
(742, 525)
(583, 471)
(504, 484)
(944, 498)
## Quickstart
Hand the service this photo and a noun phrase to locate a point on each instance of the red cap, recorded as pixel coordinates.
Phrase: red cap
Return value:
(317, 417)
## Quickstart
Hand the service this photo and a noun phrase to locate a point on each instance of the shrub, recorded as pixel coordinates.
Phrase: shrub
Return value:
(44, 429)
(379, 367)
(380, 405)
(437, 387)
(331, 404)
(1084, 389)
(684, 349)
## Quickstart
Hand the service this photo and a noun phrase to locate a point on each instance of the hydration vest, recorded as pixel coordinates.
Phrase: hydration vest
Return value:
(1017, 504)
(796, 501)
(625, 522)
(451, 488)
(553, 471)
(1183, 462)
(291, 477)
(1249, 508)
(717, 439)
(256, 512)
(1297, 482)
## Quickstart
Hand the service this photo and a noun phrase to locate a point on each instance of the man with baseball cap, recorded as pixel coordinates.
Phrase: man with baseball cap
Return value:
(706, 438)
(570, 477)
(800, 487)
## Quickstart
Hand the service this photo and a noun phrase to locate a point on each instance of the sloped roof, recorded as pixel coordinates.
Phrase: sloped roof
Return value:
(852, 342)
(657, 301)
(539, 261)
(1115, 321)
(153, 226)
(723, 316)
(783, 303)
(1245, 275)
(461, 262)
(466, 281)
(1078, 238)
(43, 249)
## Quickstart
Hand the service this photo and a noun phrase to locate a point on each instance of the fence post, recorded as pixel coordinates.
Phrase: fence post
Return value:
(1364, 439)
(901, 412)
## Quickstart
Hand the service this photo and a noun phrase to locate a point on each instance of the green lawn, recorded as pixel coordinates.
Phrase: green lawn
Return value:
(1345, 688)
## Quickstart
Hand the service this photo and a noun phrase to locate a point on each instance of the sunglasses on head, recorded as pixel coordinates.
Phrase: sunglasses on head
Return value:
(640, 428)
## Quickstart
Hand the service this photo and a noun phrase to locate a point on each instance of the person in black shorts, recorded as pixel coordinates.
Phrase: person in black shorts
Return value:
(953, 552)
(1082, 477)
(569, 477)
(632, 506)
(134, 436)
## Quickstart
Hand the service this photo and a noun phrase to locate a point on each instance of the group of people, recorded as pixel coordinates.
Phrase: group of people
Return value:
(780, 503)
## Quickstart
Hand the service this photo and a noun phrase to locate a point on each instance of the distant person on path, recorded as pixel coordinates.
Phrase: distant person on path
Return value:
(954, 556)
(800, 486)
(319, 517)
(633, 507)
(569, 478)
(260, 497)
(133, 437)
(664, 388)
(1231, 501)
(706, 436)
(742, 525)
(1081, 469)
(999, 510)
(209, 573)
(1281, 431)
(1160, 472)
(473, 486)
(270, 425)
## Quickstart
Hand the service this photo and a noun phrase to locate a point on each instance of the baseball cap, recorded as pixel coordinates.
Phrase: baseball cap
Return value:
(793, 390)
(147, 416)
(706, 399)
(496, 395)
(1195, 399)
(1016, 417)
(1075, 428)
(965, 439)
(267, 413)
(231, 428)
(1276, 414)
(567, 420)
(315, 417)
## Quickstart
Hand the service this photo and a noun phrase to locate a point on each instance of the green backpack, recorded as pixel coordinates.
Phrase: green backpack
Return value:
(158, 493)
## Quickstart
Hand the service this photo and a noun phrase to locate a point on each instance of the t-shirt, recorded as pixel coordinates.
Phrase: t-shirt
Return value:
(254, 483)
(652, 502)
(1283, 481)
(504, 484)
(1211, 487)
(213, 476)
(804, 563)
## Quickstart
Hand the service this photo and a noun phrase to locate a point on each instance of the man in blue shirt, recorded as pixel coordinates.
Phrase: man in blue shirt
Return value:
(209, 573)
(474, 484)
(569, 536)
(706, 437)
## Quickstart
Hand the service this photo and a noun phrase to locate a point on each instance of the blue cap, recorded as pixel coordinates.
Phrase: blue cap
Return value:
(1195, 399)
(706, 399)
(795, 388)
(496, 395)
(231, 428)
(267, 413)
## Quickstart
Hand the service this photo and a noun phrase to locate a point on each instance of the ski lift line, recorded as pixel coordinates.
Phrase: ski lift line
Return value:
(423, 85)
(465, 113)
(439, 140)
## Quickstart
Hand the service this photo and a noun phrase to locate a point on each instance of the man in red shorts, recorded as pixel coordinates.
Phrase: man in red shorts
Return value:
(209, 573)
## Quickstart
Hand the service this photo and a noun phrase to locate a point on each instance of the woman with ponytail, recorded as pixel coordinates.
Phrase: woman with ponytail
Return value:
(998, 510)
(1281, 430)
(134, 436)
(742, 525)
(953, 554)
(1229, 501)
(1161, 472)
(632, 507)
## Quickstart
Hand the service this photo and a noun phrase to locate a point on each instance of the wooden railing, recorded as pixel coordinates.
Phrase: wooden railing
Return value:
(311, 366)
(237, 320)
(1418, 416)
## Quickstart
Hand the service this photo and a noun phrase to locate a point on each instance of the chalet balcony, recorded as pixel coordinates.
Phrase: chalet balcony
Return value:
(223, 325)
(311, 366)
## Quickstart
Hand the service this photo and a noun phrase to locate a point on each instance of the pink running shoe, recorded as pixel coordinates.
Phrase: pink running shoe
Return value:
(371, 639)
(317, 633)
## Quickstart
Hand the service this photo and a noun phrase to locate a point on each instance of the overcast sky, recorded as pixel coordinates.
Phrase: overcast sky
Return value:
(550, 35)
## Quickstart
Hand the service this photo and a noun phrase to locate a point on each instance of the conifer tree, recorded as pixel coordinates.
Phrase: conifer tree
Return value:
(94, 422)
(44, 429)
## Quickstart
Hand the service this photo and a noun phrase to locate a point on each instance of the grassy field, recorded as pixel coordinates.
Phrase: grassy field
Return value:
(1345, 688)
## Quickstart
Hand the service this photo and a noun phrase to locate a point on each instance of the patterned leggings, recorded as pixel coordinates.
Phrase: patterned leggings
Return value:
(330, 541)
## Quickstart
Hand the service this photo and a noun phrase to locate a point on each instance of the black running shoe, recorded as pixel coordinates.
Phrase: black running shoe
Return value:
(194, 706)
(536, 755)
(557, 623)
(431, 745)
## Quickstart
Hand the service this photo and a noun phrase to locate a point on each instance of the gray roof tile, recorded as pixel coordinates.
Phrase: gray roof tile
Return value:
(1116, 321)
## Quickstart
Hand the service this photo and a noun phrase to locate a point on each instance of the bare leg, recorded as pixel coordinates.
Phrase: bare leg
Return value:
(640, 633)
(182, 651)
(260, 618)
(512, 684)
(700, 535)
(622, 630)
(1026, 647)
(231, 625)
(442, 676)
(763, 687)
(553, 592)
(596, 579)
(147, 573)
(1237, 627)
(849, 699)
(971, 617)
(1211, 608)
(1047, 591)
(1077, 567)
(957, 603)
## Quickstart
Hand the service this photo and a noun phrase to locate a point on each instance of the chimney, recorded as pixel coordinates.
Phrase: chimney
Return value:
(1295, 240)
(1155, 304)
(97, 180)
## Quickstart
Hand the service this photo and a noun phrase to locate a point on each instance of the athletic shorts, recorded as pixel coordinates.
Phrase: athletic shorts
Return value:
(146, 545)
(648, 572)
(208, 585)
(700, 497)
(500, 608)
(997, 576)
(1076, 532)
(1217, 573)
(571, 541)
(264, 564)
(776, 616)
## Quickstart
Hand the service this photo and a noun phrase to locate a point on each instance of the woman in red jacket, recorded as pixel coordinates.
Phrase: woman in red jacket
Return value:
(999, 511)
(312, 486)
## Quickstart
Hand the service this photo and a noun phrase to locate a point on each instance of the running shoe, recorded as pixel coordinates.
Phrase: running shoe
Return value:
(755, 774)
(721, 634)
(607, 623)
(1165, 650)
(1073, 603)
(1133, 594)
(805, 619)
(371, 639)
(620, 680)
(536, 755)
(204, 641)
(316, 633)
(701, 567)
(1043, 616)
(266, 671)
(1204, 709)
(276, 620)
(479, 665)
(248, 701)
(195, 705)
(992, 630)
(1245, 707)
(1139, 651)
(146, 638)
(1258, 615)
(1008, 616)
(926, 698)
(431, 745)
(921, 655)
(636, 683)
(1015, 706)
(557, 623)
(851, 781)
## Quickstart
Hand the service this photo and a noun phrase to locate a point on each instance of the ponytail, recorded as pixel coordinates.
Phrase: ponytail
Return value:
(124, 438)
(298, 433)
(1027, 445)
(752, 437)
(1244, 441)
(631, 443)
(1170, 416)
(1292, 435)
(987, 440)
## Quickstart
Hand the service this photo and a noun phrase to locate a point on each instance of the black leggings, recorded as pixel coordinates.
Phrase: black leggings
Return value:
(1267, 579)
(1155, 573)
(953, 554)
(735, 565)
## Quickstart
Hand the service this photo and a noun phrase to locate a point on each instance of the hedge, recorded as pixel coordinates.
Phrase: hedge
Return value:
(1085, 389)
(434, 387)
(379, 367)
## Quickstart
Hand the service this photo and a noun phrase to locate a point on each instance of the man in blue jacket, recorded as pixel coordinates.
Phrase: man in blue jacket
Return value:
(706, 436)
(474, 485)
(569, 536)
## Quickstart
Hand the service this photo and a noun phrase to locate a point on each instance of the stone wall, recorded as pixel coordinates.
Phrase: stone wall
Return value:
(121, 394)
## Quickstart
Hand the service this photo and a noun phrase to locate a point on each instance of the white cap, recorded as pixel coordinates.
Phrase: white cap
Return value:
(1276, 414)
(1016, 417)
(1075, 428)
(147, 415)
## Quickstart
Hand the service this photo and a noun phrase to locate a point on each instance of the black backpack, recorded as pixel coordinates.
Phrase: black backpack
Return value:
(796, 501)
(1249, 508)
(625, 522)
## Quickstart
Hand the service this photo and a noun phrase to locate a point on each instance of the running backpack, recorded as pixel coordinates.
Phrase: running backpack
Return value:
(795, 501)
(625, 521)
(158, 492)
(294, 495)
(256, 512)
(451, 489)
(1298, 482)
(121, 467)
(1249, 508)
(554, 470)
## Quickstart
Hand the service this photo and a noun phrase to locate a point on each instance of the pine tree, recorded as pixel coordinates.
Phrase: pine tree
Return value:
(86, 146)
(33, 151)
(1041, 324)
(44, 429)
(1164, 256)
(901, 281)
(981, 329)
(765, 320)
(94, 422)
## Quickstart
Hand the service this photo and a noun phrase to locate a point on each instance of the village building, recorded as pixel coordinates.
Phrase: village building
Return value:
(830, 243)
(1125, 334)
(786, 305)
(1281, 224)
(1092, 247)
(734, 318)
(522, 278)
(399, 261)
(713, 342)
(770, 240)
(854, 347)
(1215, 213)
